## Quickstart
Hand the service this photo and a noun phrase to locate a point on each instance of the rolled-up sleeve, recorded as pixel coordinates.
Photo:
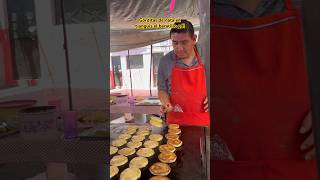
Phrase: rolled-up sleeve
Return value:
(162, 75)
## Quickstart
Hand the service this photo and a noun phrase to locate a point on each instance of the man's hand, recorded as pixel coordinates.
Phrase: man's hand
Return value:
(165, 101)
(309, 141)
(205, 103)
(166, 107)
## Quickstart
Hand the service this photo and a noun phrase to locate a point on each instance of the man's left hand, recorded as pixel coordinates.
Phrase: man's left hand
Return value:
(309, 141)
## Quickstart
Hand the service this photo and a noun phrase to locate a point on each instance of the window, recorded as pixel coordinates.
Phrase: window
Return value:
(117, 71)
(135, 62)
(155, 65)
(81, 11)
(23, 39)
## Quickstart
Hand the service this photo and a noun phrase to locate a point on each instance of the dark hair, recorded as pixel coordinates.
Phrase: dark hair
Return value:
(188, 28)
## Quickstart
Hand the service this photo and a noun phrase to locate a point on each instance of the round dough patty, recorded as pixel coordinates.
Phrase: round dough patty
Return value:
(139, 162)
(138, 138)
(175, 142)
(114, 170)
(151, 144)
(126, 151)
(159, 178)
(167, 147)
(130, 174)
(173, 126)
(167, 157)
(160, 169)
(118, 160)
(124, 136)
(118, 142)
(145, 152)
(113, 150)
(156, 137)
(134, 144)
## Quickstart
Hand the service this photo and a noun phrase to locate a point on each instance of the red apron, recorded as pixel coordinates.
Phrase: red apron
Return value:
(188, 91)
(260, 97)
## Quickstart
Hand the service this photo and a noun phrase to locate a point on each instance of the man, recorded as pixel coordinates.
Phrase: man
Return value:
(260, 93)
(181, 79)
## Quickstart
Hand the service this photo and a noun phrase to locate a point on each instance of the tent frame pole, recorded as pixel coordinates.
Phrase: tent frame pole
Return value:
(151, 64)
(66, 52)
(128, 60)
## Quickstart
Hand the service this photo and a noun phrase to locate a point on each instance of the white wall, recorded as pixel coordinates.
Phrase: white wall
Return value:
(3, 21)
(140, 77)
(88, 60)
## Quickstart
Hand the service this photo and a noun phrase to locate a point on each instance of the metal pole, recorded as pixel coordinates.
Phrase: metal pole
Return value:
(130, 73)
(114, 75)
(311, 28)
(151, 64)
(65, 46)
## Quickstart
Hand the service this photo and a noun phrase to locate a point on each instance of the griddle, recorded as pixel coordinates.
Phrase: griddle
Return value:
(190, 164)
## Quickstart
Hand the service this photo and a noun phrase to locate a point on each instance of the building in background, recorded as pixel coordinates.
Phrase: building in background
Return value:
(140, 63)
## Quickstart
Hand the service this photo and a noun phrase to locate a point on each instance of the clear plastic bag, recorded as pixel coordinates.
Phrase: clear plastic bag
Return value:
(177, 108)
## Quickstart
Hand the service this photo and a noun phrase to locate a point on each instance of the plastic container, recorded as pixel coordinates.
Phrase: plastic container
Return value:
(38, 122)
(70, 124)
(58, 104)
(121, 99)
(131, 101)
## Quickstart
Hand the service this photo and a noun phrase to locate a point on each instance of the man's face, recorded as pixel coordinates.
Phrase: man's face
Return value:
(183, 44)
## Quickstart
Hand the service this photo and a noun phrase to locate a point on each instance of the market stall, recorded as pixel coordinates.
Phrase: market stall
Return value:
(135, 54)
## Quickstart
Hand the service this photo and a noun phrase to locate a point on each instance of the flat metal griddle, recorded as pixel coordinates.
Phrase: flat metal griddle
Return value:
(189, 164)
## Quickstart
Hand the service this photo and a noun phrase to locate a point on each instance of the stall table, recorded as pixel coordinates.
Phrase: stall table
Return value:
(127, 108)
(55, 152)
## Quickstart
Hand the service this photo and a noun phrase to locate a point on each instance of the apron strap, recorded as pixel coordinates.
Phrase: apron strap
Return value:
(288, 4)
(175, 58)
(196, 53)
